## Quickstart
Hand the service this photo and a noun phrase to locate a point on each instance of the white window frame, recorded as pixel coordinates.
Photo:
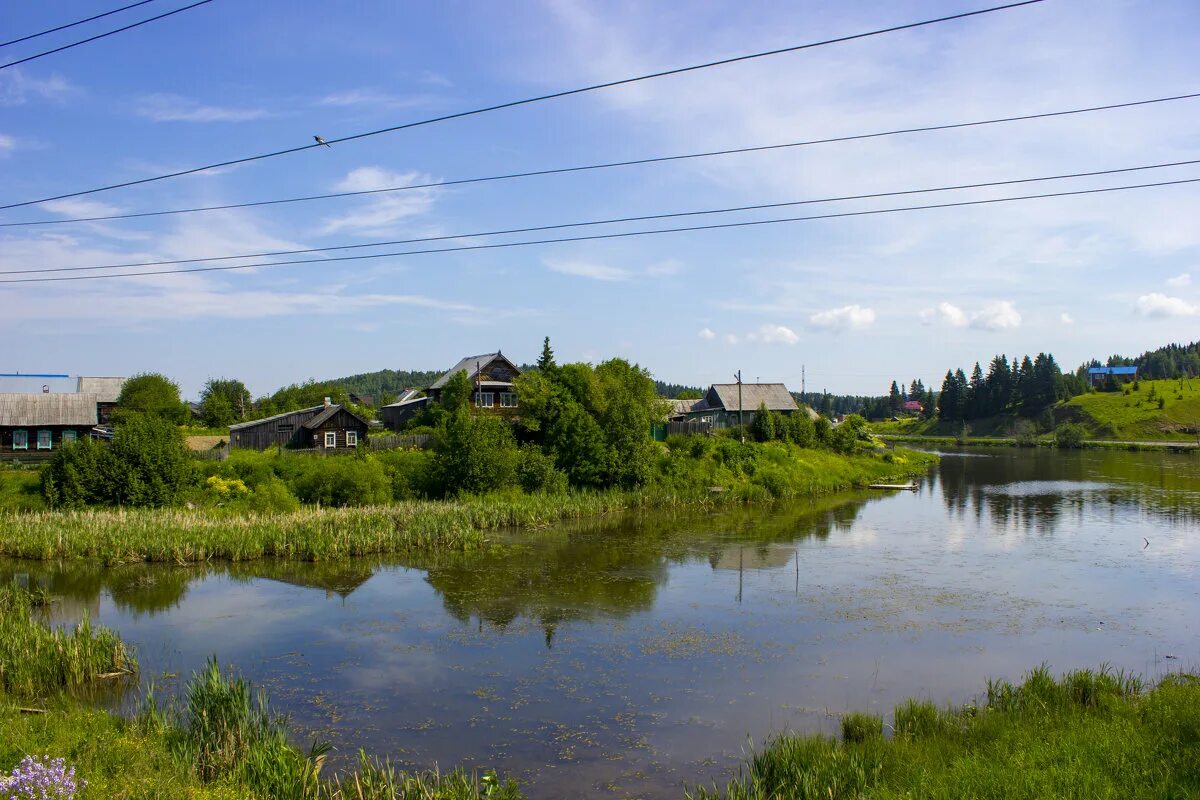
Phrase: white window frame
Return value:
(330, 439)
(25, 434)
(351, 438)
(49, 439)
(69, 437)
(481, 396)
(508, 399)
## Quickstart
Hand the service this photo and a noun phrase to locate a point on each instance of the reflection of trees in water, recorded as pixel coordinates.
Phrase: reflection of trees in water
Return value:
(1040, 486)
(614, 568)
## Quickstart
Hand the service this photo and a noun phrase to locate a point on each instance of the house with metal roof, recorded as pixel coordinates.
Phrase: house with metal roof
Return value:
(722, 402)
(326, 427)
(492, 379)
(1099, 376)
(30, 423)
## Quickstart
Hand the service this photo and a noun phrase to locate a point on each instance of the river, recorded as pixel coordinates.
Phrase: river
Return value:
(634, 654)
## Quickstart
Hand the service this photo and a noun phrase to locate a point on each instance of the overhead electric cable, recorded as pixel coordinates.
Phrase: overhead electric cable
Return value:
(531, 100)
(607, 165)
(603, 236)
(101, 36)
(610, 221)
(73, 24)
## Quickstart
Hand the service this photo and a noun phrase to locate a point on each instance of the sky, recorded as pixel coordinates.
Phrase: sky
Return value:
(853, 302)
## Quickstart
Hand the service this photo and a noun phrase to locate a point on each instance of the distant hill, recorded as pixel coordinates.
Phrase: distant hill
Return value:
(387, 381)
(1171, 361)
(1136, 416)
(673, 389)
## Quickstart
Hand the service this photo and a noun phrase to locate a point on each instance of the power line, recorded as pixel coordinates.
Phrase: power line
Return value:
(609, 164)
(529, 100)
(603, 236)
(610, 221)
(100, 36)
(73, 24)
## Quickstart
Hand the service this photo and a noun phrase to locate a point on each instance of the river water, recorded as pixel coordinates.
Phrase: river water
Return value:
(635, 654)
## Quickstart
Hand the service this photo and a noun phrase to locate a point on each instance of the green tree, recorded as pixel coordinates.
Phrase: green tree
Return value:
(477, 454)
(545, 362)
(762, 427)
(690, 394)
(822, 428)
(225, 401)
(630, 406)
(152, 393)
(456, 393)
(578, 445)
(798, 428)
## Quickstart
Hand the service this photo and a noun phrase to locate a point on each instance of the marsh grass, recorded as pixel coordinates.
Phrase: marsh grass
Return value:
(182, 535)
(860, 727)
(1087, 734)
(36, 661)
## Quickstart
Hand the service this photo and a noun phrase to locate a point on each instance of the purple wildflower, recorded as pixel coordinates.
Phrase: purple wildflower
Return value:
(42, 778)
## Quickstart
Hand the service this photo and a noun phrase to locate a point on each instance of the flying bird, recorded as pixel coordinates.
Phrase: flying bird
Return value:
(321, 141)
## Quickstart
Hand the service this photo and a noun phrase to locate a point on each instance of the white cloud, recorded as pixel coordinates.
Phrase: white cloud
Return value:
(853, 317)
(1156, 304)
(707, 333)
(996, 315)
(371, 97)
(731, 338)
(17, 88)
(1066, 319)
(176, 108)
(665, 268)
(773, 334)
(587, 269)
(7, 145)
(381, 212)
(79, 207)
(1179, 281)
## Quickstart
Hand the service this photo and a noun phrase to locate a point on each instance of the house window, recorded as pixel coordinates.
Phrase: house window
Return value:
(331, 439)
(508, 399)
(69, 437)
(20, 439)
(351, 438)
(485, 399)
(44, 440)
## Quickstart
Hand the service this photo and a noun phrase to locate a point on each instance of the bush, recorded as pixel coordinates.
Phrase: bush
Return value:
(478, 454)
(411, 473)
(343, 481)
(1069, 436)
(536, 472)
(762, 427)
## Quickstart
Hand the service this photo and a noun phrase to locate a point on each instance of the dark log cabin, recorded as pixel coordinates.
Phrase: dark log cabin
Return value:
(44, 422)
(327, 427)
(492, 377)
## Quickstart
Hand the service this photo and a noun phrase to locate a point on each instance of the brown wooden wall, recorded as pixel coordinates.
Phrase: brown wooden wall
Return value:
(56, 435)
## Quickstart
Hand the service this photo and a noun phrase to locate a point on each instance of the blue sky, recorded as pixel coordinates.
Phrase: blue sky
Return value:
(856, 301)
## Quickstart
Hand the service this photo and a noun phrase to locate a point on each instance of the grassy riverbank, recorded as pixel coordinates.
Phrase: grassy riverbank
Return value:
(180, 535)
(1086, 735)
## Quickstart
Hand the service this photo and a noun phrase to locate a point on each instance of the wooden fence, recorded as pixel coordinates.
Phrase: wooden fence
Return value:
(419, 440)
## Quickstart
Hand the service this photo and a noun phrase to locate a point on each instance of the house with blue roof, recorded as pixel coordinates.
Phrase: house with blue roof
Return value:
(1099, 376)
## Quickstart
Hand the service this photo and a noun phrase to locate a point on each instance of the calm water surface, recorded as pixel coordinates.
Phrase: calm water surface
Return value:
(630, 655)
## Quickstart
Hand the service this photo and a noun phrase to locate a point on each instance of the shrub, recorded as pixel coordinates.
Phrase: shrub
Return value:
(478, 454)
(762, 427)
(411, 473)
(536, 472)
(343, 481)
(71, 479)
(1069, 436)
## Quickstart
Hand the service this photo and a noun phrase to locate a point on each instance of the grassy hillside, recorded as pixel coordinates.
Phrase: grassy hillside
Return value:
(1137, 416)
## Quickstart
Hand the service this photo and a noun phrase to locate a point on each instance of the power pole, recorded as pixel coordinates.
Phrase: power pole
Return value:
(802, 382)
(741, 427)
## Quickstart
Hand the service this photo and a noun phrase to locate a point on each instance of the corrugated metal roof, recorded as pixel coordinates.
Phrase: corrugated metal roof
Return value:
(252, 423)
(410, 401)
(20, 410)
(685, 406)
(1112, 370)
(471, 365)
(775, 395)
(107, 390)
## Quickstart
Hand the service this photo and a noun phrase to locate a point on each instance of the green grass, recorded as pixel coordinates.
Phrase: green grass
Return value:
(740, 473)
(1135, 417)
(36, 661)
(21, 490)
(1086, 735)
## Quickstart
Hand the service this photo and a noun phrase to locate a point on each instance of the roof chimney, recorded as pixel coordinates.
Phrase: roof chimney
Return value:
(328, 402)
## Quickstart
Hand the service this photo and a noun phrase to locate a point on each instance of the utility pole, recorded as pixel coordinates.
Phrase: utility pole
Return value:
(802, 389)
(741, 427)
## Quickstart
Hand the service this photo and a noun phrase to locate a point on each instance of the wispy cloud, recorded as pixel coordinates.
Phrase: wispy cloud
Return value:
(381, 213)
(372, 97)
(707, 334)
(1157, 304)
(7, 145)
(588, 269)
(1179, 281)
(79, 207)
(1066, 319)
(853, 317)
(18, 88)
(176, 108)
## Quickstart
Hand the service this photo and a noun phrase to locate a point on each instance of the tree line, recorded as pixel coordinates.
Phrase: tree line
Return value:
(1023, 387)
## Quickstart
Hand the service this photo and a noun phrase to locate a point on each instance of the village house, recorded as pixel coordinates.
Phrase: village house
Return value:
(720, 405)
(492, 379)
(325, 427)
(1100, 376)
(32, 423)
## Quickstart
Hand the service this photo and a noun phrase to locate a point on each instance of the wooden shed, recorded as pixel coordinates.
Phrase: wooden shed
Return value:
(327, 427)
(33, 422)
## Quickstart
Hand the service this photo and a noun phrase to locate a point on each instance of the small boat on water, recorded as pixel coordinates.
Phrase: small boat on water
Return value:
(911, 487)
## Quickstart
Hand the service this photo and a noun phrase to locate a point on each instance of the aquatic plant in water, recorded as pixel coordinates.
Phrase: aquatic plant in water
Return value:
(41, 778)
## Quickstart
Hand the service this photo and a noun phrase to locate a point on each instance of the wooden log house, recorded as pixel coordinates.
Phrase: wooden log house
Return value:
(328, 427)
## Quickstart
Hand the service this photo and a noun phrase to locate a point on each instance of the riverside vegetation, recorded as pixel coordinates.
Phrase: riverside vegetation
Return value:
(1087, 734)
(582, 446)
